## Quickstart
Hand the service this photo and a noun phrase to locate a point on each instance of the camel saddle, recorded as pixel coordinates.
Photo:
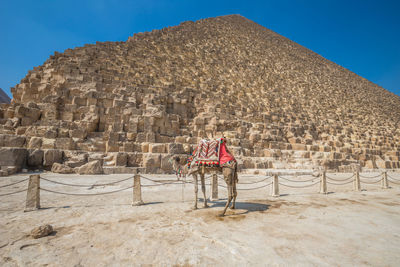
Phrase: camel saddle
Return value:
(211, 153)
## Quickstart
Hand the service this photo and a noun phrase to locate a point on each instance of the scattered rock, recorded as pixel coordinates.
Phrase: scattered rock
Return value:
(93, 167)
(41, 231)
(61, 168)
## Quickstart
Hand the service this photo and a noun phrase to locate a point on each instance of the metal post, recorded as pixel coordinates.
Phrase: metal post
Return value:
(214, 187)
(275, 186)
(33, 194)
(385, 184)
(323, 186)
(137, 191)
(357, 183)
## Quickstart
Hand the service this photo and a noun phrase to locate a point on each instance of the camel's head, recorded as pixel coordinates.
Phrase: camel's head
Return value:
(177, 165)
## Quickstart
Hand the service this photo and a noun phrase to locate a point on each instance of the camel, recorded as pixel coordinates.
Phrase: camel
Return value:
(228, 170)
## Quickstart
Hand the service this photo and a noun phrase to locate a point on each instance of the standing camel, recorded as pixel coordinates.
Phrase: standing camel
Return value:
(227, 166)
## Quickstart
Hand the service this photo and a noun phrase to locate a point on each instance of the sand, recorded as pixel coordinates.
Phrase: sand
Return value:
(299, 228)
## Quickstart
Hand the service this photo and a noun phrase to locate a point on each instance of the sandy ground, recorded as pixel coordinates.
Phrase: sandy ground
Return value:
(299, 228)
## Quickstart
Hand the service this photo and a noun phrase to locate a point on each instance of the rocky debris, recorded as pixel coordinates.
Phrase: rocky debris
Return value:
(61, 168)
(131, 104)
(42, 231)
(93, 167)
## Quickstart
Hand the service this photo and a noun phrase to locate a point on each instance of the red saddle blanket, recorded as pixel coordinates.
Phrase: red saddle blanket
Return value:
(211, 153)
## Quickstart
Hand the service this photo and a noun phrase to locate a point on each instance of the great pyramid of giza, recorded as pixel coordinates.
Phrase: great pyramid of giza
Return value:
(134, 104)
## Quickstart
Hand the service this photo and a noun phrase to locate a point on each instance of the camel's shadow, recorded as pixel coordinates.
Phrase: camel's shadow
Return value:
(241, 207)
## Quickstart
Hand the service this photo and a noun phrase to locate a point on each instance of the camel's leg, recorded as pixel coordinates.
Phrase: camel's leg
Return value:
(203, 188)
(229, 198)
(234, 193)
(196, 189)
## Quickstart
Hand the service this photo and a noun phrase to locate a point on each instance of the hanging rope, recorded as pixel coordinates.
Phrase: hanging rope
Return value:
(299, 186)
(12, 193)
(297, 181)
(393, 182)
(336, 178)
(244, 189)
(80, 185)
(371, 182)
(371, 177)
(256, 182)
(79, 194)
(339, 183)
(160, 182)
(394, 178)
(14, 183)
(340, 180)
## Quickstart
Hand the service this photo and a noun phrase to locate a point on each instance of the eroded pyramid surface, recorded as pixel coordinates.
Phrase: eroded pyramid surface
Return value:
(135, 104)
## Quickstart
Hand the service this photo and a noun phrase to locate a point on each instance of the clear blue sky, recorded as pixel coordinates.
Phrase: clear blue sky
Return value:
(362, 35)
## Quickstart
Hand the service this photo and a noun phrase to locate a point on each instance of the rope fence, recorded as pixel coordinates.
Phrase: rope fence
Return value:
(33, 189)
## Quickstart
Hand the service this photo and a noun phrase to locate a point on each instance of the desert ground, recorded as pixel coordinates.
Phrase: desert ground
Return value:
(299, 228)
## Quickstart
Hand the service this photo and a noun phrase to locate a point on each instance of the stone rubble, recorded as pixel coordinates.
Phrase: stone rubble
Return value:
(131, 105)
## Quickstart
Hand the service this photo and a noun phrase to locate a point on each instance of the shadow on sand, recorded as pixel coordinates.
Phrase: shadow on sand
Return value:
(241, 207)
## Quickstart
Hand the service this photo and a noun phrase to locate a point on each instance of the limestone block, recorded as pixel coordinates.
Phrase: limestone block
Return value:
(93, 167)
(299, 147)
(369, 164)
(80, 133)
(166, 163)
(112, 146)
(21, 130)
(96, 156)
(35, 158)
(128, 147)
(131, 136)
(135, 159)
(145, 147)
(61, 168)
(152, 162)
(13, 157)
(65, 144)
(25, 112)
(382, 164)
(174, 148)
(180, 139)
(7, 140)
(157, 148)
(51, 156)
(121, 159)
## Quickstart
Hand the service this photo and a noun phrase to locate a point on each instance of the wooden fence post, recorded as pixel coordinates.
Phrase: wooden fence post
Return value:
(357, 183)
(33, 193)
(214, 187)
(385, 183)
(323, 186)
(137, 191)
(275, 186)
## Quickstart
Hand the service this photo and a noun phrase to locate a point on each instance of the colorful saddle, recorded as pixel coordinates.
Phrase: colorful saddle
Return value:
(210, 153)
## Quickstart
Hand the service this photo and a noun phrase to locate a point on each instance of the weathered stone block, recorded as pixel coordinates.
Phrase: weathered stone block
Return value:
(35, 142)
(121, 159)
(35, 158)
(93, 167)
(51, 156)
(157, 148)
(152, 162)
(7, 140)
(13, 157)
(61, 168)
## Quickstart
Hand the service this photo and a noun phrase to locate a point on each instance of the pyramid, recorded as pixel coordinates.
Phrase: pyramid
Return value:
(133, 105)
(4, 97)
